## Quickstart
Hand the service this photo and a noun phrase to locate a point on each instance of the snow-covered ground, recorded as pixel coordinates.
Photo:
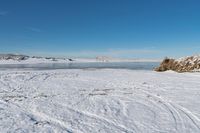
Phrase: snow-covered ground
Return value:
(93, 100)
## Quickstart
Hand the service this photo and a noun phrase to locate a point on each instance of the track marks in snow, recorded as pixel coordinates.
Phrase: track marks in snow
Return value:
(88, 102)
(181, 120)
(184, 120)
(82, 121)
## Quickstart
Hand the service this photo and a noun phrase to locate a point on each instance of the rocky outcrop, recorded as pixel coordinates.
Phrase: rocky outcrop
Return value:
(187, 64)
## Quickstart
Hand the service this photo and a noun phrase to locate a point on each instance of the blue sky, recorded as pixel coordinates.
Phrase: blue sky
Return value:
(87, 28)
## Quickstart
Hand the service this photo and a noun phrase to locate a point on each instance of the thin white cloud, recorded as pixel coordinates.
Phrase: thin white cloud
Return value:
(33, 29)
(124, 53)
(131, 51)
(116, 53)
(3, 13)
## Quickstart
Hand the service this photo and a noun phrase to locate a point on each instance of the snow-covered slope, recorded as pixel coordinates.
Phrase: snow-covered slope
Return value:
(105, 101)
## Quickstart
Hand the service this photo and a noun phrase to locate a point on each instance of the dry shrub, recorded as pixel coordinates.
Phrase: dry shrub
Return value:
(185, 65)
(166, 64)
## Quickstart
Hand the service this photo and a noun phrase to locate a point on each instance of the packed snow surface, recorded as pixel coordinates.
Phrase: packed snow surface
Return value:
(105, 101)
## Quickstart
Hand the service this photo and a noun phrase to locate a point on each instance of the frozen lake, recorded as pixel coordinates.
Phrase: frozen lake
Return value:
(93, 65)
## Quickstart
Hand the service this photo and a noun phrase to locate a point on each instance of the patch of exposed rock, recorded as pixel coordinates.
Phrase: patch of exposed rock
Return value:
(187, 64)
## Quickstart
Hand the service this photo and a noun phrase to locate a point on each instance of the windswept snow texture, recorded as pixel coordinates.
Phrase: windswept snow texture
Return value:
(105, 101)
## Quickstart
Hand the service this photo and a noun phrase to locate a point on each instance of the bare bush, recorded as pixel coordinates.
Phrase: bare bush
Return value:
(187, 64)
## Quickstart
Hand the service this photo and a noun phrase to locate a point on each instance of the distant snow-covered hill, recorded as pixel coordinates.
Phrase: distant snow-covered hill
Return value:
(13, 57)
(16, 59)
(24, 59)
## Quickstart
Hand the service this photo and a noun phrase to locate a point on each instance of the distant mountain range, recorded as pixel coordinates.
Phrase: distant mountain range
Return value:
(17, 57)
(13, 57)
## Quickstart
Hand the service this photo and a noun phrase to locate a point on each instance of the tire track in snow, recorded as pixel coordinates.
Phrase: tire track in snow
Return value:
(178, 114)
(149, 108)
(84, 118)
(34, 117)
(53, 120)
(174, 110)
(189, 114)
